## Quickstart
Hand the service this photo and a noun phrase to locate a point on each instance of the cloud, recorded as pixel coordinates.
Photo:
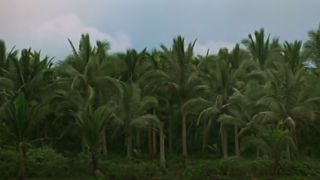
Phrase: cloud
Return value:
(202, 48)
(61, 28)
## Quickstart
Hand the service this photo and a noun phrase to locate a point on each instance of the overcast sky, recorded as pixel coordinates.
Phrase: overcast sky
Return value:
(46, 24)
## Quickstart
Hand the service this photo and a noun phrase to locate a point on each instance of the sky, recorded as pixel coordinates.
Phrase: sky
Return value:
(46, 25)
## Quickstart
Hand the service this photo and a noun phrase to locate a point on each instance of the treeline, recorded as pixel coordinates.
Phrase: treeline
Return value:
(260, 99)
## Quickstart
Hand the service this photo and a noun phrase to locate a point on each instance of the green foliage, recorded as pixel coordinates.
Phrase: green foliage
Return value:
(9, 162)
(130, 170)
(262, 99)
(46, 162)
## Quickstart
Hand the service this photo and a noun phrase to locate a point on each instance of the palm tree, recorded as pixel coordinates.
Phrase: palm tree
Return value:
(312, 46)
(261, 48)
(134, 112)
(221, 75)
(91, 123)
(86, 71)
(29, 74)
(273, 141)
(7, 84)
(292, 55)
(19, 118)
(180, 77)
(287, 100)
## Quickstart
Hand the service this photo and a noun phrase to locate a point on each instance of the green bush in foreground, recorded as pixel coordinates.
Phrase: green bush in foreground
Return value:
(9, 163)
(45, 162)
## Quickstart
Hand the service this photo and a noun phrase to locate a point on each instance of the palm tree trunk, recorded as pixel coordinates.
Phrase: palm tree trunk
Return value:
(138, 139)
(206, 129)
(154, 142)
(95, 160)
(224, 141)
(184, 137)
(129, 143)
(162, 151)
(170, 145)
(22, 152)
(150, 141)
(104, 142)
(288, 152)
(236, 140)
(258, 152)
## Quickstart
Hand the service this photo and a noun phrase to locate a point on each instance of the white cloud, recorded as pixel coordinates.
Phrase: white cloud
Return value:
(202, 48)
(71, 26)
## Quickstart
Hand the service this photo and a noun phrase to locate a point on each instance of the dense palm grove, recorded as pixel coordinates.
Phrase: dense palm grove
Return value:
(258, 101)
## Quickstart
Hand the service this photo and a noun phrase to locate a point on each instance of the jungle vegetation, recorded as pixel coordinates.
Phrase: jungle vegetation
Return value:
(166, 113)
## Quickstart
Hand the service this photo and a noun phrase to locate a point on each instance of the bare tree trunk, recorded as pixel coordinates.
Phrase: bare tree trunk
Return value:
(184, 137)
(236, 140)
(162, 151)
(129, 143)
(104, 142)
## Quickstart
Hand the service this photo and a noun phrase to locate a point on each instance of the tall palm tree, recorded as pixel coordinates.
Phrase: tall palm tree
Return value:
(180, 77)
(224, 74)
(287, 100)
(86, 71)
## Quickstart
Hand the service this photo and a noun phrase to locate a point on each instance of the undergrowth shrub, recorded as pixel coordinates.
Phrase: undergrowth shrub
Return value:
(131, 170)
(9, 163)
(46, 162)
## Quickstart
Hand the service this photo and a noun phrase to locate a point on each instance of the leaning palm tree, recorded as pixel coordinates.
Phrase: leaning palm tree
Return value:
(19, 120)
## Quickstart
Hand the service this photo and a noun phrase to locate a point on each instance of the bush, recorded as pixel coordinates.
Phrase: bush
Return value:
(131, 170)
(261, 167)
(305, 167)
(46, 162)
(204, 169)
(9, 163)
(235, 166)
